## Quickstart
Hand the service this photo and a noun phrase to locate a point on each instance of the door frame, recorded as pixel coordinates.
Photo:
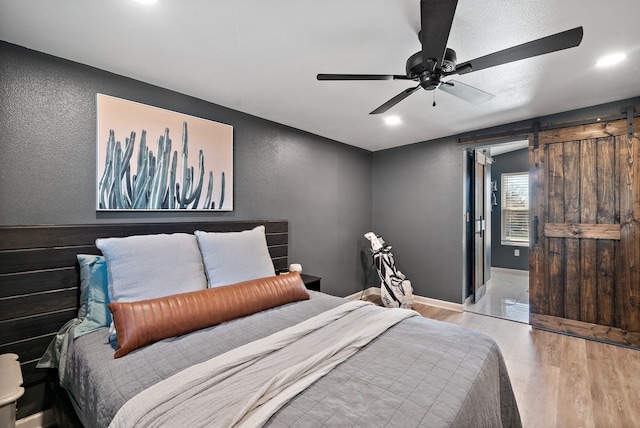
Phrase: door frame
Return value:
(471, 293)
(468, 193)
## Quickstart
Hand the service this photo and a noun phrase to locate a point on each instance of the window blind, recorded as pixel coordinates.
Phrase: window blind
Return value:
(515, 207)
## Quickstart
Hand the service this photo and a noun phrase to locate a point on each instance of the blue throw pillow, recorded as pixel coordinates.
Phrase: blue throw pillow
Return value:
(94, 292)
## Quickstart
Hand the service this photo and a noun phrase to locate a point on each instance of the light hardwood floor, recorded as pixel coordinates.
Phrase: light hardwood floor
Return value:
(560, 381)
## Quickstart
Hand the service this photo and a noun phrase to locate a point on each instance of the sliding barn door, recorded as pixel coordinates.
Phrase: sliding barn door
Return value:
(585, 212)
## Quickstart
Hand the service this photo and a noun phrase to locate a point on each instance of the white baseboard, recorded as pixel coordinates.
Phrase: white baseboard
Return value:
(42, 419)
(439, 303)
(371, 291)
(375, 291)
(506, 271)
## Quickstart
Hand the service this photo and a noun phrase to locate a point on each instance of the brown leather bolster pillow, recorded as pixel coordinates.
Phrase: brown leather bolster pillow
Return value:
(141, 323)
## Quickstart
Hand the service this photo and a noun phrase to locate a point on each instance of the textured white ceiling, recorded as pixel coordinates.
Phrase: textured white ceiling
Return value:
(262, 57)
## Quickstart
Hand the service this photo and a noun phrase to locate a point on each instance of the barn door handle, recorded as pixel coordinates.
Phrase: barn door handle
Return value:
(535, 229)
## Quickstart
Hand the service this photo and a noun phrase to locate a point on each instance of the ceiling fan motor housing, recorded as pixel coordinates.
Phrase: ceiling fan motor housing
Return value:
(414, 66)
(430, 81)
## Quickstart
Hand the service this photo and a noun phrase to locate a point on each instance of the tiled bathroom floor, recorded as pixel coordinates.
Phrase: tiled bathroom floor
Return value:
(507, 296)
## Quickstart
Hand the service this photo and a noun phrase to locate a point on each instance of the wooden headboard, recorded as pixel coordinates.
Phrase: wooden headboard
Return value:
(39, 279)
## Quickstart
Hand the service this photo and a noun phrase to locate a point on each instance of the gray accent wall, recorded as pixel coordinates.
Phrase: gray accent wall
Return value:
(48, 164)
(503, 256)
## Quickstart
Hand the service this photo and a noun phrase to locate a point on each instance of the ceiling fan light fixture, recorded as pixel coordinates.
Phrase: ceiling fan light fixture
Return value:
(610, 60)
(392, 120)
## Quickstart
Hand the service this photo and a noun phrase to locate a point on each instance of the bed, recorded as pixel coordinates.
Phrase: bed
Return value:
(411, 371)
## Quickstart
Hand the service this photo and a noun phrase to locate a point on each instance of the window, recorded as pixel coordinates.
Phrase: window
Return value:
(515, 209)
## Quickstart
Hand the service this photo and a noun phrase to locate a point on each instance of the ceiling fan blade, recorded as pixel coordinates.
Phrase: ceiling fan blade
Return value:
(468, 93)
(362, 77)
(395, 100)
(436, 17)
(556, 42)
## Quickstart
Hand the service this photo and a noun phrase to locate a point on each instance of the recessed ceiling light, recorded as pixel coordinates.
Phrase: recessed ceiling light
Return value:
(612, 59)
(392, 120)
(146, 1)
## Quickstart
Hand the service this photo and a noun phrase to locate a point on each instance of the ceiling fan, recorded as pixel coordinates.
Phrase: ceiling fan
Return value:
(436, 61)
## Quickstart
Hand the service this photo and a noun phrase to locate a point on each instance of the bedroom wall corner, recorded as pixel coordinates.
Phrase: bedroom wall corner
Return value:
(418, 210)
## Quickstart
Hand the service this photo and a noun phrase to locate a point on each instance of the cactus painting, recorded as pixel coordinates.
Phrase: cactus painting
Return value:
(136, 175)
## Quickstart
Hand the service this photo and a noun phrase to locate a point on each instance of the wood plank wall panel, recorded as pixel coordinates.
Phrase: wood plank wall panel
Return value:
(28, 350)
(70, 235)
(30, 327)
(587, 259)
(27, 304)
(39, 283)
(22, 260)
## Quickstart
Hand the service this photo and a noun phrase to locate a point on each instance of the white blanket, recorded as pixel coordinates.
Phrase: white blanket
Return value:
(247, 385)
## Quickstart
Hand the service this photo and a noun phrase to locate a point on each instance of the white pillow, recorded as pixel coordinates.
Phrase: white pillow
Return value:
(232, 257)
(144, 267)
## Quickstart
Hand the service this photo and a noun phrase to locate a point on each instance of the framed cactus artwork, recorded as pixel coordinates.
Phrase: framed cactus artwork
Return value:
(150, 158)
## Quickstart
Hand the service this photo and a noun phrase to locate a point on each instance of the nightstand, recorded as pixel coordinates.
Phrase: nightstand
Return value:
(311, 282)
(10, 388)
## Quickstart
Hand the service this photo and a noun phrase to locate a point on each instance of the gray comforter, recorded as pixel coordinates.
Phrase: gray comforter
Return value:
(420, 372)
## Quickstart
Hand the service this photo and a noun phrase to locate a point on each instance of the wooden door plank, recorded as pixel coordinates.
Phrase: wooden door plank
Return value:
(625, 296)
(571, 189)
(583, 132)
(607, 169)
(605, 283)
(634, 321)
(555, 206)
(538, 291)
(587, 330)
(588, 215)
(607, 214)
(582, 231)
